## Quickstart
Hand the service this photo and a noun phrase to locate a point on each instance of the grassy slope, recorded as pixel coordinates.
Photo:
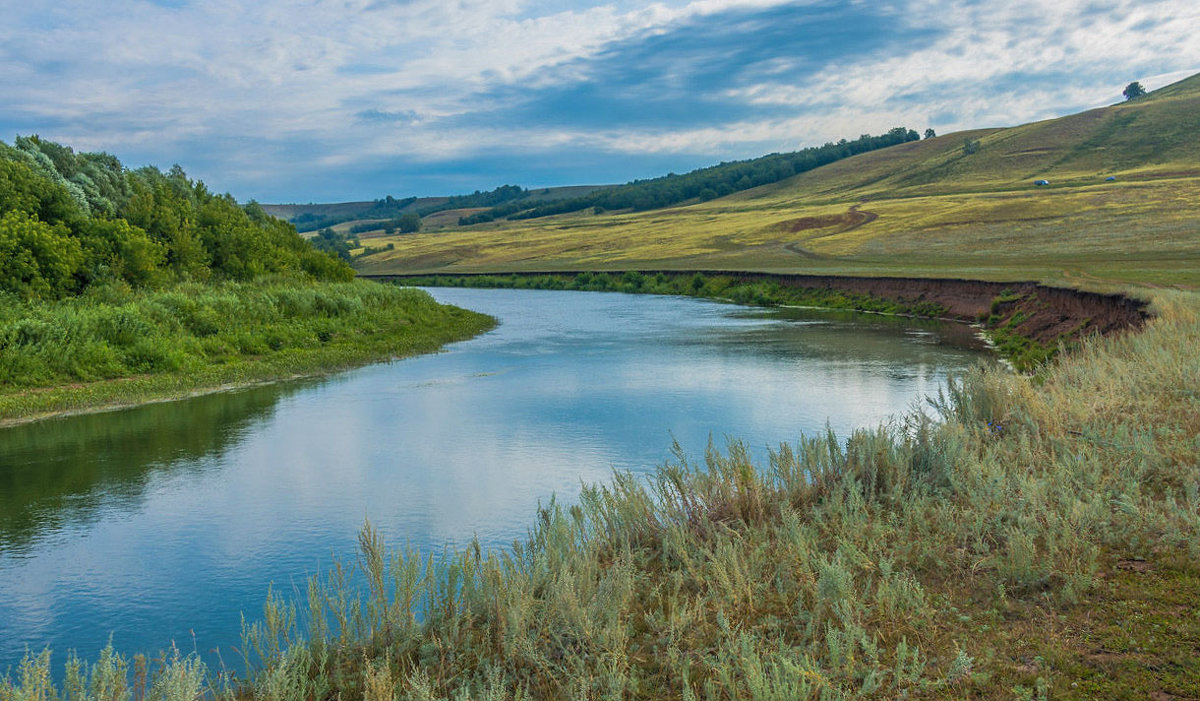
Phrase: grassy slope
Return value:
(115, 348)
(922, 208)
(439, 219)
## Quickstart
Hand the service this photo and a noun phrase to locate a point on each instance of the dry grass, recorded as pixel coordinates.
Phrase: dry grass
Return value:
(1085, 235)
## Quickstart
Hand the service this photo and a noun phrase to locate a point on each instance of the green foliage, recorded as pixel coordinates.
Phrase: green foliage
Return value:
(1133, 91)
(331, 242)
(387, 207)
(500, 195)
(408, 223)
(117, 250)
(23, 189)
(37, 259)
(68, 221)
(194, 335)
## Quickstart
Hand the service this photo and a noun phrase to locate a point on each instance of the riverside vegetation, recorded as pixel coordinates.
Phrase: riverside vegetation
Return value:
(1027, 542)
(1023, 353)
(121, 286)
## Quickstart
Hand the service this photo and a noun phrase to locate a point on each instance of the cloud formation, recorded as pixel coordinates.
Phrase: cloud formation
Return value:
(299, 100)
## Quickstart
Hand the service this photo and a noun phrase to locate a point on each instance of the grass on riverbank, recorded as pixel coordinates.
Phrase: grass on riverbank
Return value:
(1023, 354)
(115, 346)
(712, 286)
(1038, 541)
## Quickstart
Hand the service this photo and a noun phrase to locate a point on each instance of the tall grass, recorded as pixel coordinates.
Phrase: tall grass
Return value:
(116, 345)
(847, 568)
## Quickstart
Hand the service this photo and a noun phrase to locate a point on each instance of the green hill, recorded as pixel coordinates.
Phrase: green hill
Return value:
(1136, 138)
(959, 205)
(341, 216)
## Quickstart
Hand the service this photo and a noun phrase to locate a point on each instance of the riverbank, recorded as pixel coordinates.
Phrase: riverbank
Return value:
(1027, 322)
(119, 348)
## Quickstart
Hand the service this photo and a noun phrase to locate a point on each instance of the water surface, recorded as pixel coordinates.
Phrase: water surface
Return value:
(162, 524)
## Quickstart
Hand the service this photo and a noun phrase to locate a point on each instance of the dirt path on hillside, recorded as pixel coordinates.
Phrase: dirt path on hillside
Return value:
(849, 221)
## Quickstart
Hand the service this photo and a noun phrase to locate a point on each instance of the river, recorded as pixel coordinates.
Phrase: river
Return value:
(162, 524)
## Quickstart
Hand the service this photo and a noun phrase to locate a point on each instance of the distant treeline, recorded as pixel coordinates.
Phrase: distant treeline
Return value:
(492, 198)
(405, 223)
(71, 220)
(386, 208)
(396, 211)
(704, 184)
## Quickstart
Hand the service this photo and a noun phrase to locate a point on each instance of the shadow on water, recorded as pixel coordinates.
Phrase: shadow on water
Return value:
(61, 473)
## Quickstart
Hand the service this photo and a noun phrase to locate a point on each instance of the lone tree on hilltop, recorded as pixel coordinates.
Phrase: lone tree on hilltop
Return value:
(930, 133)
(1133, 91)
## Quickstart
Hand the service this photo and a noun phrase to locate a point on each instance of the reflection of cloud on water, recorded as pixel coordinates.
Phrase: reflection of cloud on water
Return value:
(63, 472)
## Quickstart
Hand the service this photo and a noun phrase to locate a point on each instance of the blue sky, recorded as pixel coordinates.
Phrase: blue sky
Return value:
(329, 100)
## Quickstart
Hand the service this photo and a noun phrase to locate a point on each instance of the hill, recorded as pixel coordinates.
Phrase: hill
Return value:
(957, 205)
(341, 216)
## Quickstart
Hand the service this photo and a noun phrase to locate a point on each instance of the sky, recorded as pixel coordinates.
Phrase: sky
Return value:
(336, 100)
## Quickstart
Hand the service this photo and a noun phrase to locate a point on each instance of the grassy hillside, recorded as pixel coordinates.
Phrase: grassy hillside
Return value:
(340, 216)
(926, 208)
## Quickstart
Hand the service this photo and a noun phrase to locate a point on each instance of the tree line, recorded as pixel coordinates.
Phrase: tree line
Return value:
(384, 208)
(399, 213)
(69, 221)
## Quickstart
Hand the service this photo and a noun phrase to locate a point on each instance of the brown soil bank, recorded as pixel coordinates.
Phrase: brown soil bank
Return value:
(1042, 314)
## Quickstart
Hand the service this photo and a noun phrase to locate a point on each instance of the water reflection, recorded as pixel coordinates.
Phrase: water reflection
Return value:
(58, 474)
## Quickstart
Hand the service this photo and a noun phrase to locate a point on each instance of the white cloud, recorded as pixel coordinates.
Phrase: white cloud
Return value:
(281, 77)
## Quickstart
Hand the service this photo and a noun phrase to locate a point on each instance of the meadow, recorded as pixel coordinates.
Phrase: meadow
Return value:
(1100, 236)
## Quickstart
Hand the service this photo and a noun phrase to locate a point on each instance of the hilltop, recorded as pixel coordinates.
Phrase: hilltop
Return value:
(957, 205)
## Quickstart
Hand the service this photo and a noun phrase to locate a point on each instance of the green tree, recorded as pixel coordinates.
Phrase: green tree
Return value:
(930, 133)
(329, 241)
(409, 223)
(1133, 91)
(114, 248)
(37, 260)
